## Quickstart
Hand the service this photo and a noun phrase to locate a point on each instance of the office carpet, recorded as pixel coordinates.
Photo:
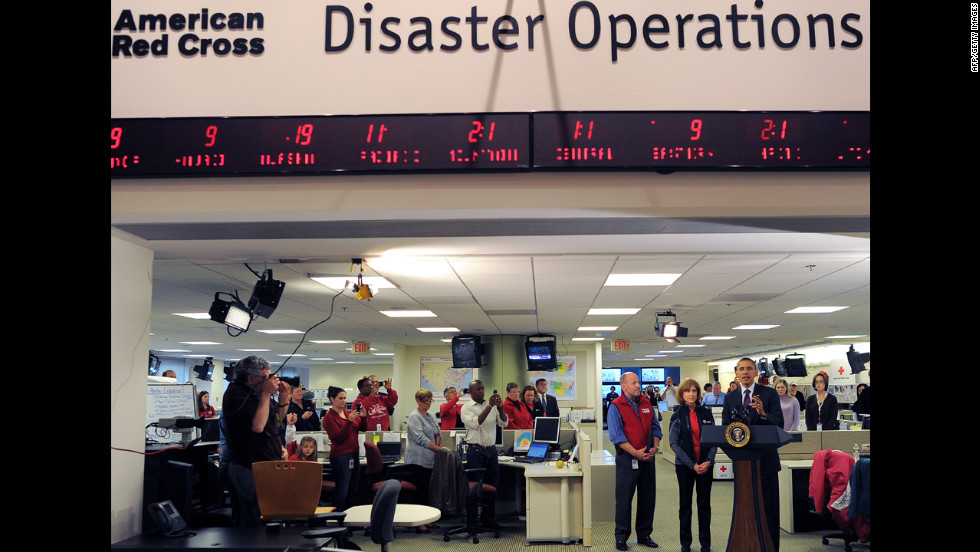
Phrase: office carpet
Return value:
(665, 531)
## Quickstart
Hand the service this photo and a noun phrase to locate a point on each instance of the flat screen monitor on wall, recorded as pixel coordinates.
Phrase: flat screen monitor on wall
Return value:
(857, 360)
(546, 430)
(611, 375)
(652, 375)
(467, 351)
(795, 366)
(542, 353)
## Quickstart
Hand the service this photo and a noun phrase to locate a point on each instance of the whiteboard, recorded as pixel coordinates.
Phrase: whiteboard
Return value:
(165, 400)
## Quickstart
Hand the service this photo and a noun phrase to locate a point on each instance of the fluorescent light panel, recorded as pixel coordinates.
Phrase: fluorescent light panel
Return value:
(437, 330)
(408, 313)
(597, 328)
(716, 337)
(329, 341)
(641, 279)
(756, 327)
(814, 310)
(587, 338)
(610, 312)
(279, 331)
(199, 343)
(337, 282)
(194, 315)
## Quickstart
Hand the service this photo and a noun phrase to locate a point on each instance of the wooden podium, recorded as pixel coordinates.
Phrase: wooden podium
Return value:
(745, 445)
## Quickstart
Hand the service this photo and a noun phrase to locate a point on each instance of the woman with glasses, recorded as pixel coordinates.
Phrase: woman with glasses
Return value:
(423, 441)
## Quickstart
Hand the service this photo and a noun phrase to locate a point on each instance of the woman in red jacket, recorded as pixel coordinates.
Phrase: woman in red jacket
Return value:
(518, 414)
(449, 410)
(345, 463)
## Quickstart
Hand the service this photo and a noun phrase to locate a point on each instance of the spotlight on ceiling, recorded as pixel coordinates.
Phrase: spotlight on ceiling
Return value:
(265, 295)
(232, 313)
(361, 290)
(204, 370)
(154, 366)
(669, 330)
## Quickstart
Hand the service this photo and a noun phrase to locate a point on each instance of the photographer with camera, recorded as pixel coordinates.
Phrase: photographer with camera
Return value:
(376, 406)
(253, 428)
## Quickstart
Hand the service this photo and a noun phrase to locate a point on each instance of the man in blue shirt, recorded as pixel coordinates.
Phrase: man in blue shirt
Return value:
(716, 396)
(636, 433)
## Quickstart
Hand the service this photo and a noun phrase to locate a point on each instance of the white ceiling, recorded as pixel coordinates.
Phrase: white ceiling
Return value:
(518, 278)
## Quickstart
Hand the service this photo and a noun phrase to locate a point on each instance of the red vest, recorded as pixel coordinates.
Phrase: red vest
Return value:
(636, 428)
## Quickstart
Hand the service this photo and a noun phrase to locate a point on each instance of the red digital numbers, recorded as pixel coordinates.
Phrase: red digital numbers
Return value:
(477, 132)
(212, 133)
(381, 132)
(771, 128)
(696, 129)
(579, 127)
(115, 137)
(304, 134)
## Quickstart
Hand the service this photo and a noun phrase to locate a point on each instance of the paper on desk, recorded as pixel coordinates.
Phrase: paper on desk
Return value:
(391, 437)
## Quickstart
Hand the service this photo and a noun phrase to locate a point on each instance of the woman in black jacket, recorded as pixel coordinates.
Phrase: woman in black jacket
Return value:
(820, 412)
(692, 462)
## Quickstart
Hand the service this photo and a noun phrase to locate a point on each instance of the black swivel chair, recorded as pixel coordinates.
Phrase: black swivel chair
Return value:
(474, 500)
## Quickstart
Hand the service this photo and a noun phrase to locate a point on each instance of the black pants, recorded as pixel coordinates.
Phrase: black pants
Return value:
(641, 481)
(485, 457)
(687, 481)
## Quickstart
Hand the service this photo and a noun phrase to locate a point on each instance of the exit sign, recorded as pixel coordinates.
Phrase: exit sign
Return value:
(361, 347)
(621, 345)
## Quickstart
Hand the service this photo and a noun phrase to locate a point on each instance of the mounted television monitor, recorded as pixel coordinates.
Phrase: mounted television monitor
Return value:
(857, 360)
(795, 366)
(778, 367)
(542, 354)
(765, 370)
(652, 375)
(467, 351)
(611, 375)
(546, 430)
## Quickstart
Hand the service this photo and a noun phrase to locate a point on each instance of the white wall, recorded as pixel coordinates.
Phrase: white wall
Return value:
(132, 279)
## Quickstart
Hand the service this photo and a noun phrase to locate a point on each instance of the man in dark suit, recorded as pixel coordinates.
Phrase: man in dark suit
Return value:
(758, 405)
(548, 402)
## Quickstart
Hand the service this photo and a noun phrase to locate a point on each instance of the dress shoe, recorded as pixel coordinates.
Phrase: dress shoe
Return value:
(685, 549)
(621, 545)
(647, 541)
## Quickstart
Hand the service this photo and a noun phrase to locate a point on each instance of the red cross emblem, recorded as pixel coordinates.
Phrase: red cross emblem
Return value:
(840, 370)
(723, 468)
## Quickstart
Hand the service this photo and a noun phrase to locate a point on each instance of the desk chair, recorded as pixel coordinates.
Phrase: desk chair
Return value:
(474, 499)
(383, 513)
(288, 492)
(829, 477)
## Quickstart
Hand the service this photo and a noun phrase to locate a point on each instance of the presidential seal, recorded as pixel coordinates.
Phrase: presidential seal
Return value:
(737, 434)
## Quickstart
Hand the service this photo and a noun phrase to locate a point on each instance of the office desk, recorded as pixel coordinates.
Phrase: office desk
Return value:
(794, 487)
(406, 515)
(552, 502)
(250, 539)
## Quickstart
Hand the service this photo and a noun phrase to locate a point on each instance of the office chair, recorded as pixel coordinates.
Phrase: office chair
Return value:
(474, 508)
(398, 473)
(383, 513)
(829, 478)
(289, 492)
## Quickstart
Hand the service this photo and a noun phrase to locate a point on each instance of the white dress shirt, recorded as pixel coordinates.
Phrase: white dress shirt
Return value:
(484, 434)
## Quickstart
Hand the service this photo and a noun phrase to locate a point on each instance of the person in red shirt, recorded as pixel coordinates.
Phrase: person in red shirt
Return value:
(517, 412)
(306, 450)
(449, 410)
(345, 463)
(204, 409)
(375, 405)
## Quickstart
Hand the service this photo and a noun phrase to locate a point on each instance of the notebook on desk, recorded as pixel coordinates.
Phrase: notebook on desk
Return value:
(536, 453)
(391, 451)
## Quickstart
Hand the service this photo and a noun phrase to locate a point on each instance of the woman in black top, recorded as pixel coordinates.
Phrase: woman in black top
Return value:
(821, 407)
(692, 462)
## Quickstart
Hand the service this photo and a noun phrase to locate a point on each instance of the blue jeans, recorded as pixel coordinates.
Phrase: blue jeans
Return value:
(346, 472)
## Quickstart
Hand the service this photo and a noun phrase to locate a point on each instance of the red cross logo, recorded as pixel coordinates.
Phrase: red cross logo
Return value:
(840, 370)
(723, 468)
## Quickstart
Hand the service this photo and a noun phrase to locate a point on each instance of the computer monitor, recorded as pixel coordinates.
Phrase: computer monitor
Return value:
(611, 375)
(467, 351)
(522, 440)
(652, 375)
(546, 430)
(500, 437)
(210, 431)
(795, 366)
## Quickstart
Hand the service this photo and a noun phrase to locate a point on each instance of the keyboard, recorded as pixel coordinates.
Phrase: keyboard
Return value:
(526, 460)
(390, 458)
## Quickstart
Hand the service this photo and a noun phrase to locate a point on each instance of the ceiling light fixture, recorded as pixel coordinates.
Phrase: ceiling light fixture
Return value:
(756, 327)
(641, 279)
(408, 313)
(265, 295)
(598, 328)
(232, 313)
(814, 310)
(613, 311)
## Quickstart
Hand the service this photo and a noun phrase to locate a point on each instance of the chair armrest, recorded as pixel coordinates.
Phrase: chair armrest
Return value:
(318, 520)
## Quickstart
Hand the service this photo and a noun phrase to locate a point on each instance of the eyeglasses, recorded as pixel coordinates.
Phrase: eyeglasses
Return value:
(426, 401)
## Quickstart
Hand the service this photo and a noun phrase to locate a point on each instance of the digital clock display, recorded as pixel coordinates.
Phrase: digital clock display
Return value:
(668, 140)
(709, 140)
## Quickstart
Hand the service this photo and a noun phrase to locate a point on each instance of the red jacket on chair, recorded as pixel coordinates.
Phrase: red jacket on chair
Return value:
(829, 476)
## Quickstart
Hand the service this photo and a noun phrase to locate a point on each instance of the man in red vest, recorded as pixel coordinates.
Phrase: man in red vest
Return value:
(635, 430)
